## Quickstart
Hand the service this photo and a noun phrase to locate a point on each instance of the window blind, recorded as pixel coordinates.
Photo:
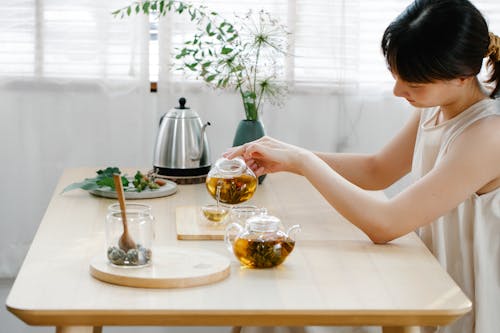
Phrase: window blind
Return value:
(70, 39)
(334, 43)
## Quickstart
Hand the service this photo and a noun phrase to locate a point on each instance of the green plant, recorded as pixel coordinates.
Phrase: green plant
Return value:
(246, 54)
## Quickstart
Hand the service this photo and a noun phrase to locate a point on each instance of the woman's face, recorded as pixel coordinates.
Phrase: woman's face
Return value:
(423, 95)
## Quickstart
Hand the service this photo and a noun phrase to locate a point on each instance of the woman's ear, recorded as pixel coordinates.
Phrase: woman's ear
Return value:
(463, 80)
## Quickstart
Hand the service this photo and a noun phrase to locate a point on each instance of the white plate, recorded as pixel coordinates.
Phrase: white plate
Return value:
(168, 189)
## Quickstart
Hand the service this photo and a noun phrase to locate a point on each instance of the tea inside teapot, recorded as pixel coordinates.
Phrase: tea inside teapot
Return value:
(261, 244)
(231, 181)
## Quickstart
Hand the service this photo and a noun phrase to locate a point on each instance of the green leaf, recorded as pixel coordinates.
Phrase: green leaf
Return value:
(145, 7)
(74, 186)
(108, 172)
(226, 50)
(129, 10)
(104, 178)
(181, 8)
(191, 66)
(106, 182)
(211, 78)
(233, 37)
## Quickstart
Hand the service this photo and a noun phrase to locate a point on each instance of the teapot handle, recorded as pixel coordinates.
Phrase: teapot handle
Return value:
(293, 230)
(229, 236)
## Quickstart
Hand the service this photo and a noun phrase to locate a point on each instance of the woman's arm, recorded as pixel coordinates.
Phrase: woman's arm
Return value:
(470, 163)
(378, 171)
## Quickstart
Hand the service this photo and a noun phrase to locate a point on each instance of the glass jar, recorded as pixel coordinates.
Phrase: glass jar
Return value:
(140, 229)
(230, 181)
(261, 243)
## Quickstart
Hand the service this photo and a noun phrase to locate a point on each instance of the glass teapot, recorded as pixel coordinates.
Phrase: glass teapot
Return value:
(261, 243)
(230, 181)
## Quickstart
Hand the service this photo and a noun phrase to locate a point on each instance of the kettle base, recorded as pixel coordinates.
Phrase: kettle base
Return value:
(182, 176)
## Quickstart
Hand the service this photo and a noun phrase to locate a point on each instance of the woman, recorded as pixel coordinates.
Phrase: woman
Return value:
(451, 145)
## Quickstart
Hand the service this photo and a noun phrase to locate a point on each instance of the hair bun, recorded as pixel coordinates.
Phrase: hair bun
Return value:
(494, 47)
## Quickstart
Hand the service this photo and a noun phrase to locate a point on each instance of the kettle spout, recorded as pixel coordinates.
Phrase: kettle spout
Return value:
(197, 156)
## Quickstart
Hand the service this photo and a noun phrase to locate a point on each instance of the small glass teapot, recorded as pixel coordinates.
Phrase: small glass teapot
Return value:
(231, 182)
(261, 243)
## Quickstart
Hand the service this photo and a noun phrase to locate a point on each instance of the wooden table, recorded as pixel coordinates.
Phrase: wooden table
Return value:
(335, 276)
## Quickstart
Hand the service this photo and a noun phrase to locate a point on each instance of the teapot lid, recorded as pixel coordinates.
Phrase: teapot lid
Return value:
(263, 223)
(230, 168)
(182, 111)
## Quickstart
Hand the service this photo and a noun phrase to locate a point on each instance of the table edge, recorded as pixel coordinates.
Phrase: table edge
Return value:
(238, 317)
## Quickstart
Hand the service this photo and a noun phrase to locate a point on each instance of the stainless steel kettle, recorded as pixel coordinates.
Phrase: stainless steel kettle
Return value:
(182, 150)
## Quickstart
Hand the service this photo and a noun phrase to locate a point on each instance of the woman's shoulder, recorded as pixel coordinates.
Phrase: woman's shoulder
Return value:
(485, 131)
(490, 104)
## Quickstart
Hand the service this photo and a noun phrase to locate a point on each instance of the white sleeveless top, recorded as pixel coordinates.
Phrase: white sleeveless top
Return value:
(466, 240)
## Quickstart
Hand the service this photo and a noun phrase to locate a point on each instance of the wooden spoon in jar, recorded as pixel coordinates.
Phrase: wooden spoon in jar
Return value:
(125, 242)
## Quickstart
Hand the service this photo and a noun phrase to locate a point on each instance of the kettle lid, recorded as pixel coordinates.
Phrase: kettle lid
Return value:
(182, 104)
(182, 111)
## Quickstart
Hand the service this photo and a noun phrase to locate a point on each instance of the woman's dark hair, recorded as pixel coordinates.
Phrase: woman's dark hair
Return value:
(434, 40)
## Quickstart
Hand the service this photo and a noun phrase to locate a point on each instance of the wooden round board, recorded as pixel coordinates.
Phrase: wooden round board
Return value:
(171, 267)
(168, 189)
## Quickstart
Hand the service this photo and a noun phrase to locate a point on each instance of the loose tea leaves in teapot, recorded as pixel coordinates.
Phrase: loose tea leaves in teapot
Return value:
(258, 253)
(231, 181)
(232, 191)
(261, 243)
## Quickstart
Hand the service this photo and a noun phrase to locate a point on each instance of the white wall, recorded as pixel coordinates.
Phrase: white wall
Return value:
(45, 131)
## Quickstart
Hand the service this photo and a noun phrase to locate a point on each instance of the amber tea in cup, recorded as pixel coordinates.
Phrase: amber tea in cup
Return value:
(215, 213)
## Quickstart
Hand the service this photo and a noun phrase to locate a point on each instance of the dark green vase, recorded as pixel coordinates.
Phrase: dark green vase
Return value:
(249, 130)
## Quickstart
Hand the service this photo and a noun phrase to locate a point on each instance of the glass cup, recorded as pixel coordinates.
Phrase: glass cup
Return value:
(215, 214)
(140, 228)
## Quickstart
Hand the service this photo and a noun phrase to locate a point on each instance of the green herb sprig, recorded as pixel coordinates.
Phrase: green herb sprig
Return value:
(246, 54)
(104, 178)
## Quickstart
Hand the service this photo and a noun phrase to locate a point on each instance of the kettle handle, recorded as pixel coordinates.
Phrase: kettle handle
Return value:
(197, 156)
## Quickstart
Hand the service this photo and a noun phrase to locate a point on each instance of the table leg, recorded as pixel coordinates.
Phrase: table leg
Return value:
(236, 329)
(401, 329)
(79, 329)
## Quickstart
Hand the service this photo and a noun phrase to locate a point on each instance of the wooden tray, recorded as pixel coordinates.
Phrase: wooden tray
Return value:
(171, 267)
(191, 225)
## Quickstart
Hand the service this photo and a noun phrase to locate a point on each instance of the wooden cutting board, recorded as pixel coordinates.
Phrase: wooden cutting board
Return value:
(171, 267)
(191, 225)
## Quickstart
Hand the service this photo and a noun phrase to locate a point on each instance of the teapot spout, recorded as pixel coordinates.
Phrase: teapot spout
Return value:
(292, 232)
(197, 156)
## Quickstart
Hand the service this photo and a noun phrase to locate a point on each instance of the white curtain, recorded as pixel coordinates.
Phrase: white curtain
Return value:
(74, 91)
(337, 76)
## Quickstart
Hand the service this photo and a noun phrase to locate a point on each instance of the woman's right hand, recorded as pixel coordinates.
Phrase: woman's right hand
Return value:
(268, 155)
